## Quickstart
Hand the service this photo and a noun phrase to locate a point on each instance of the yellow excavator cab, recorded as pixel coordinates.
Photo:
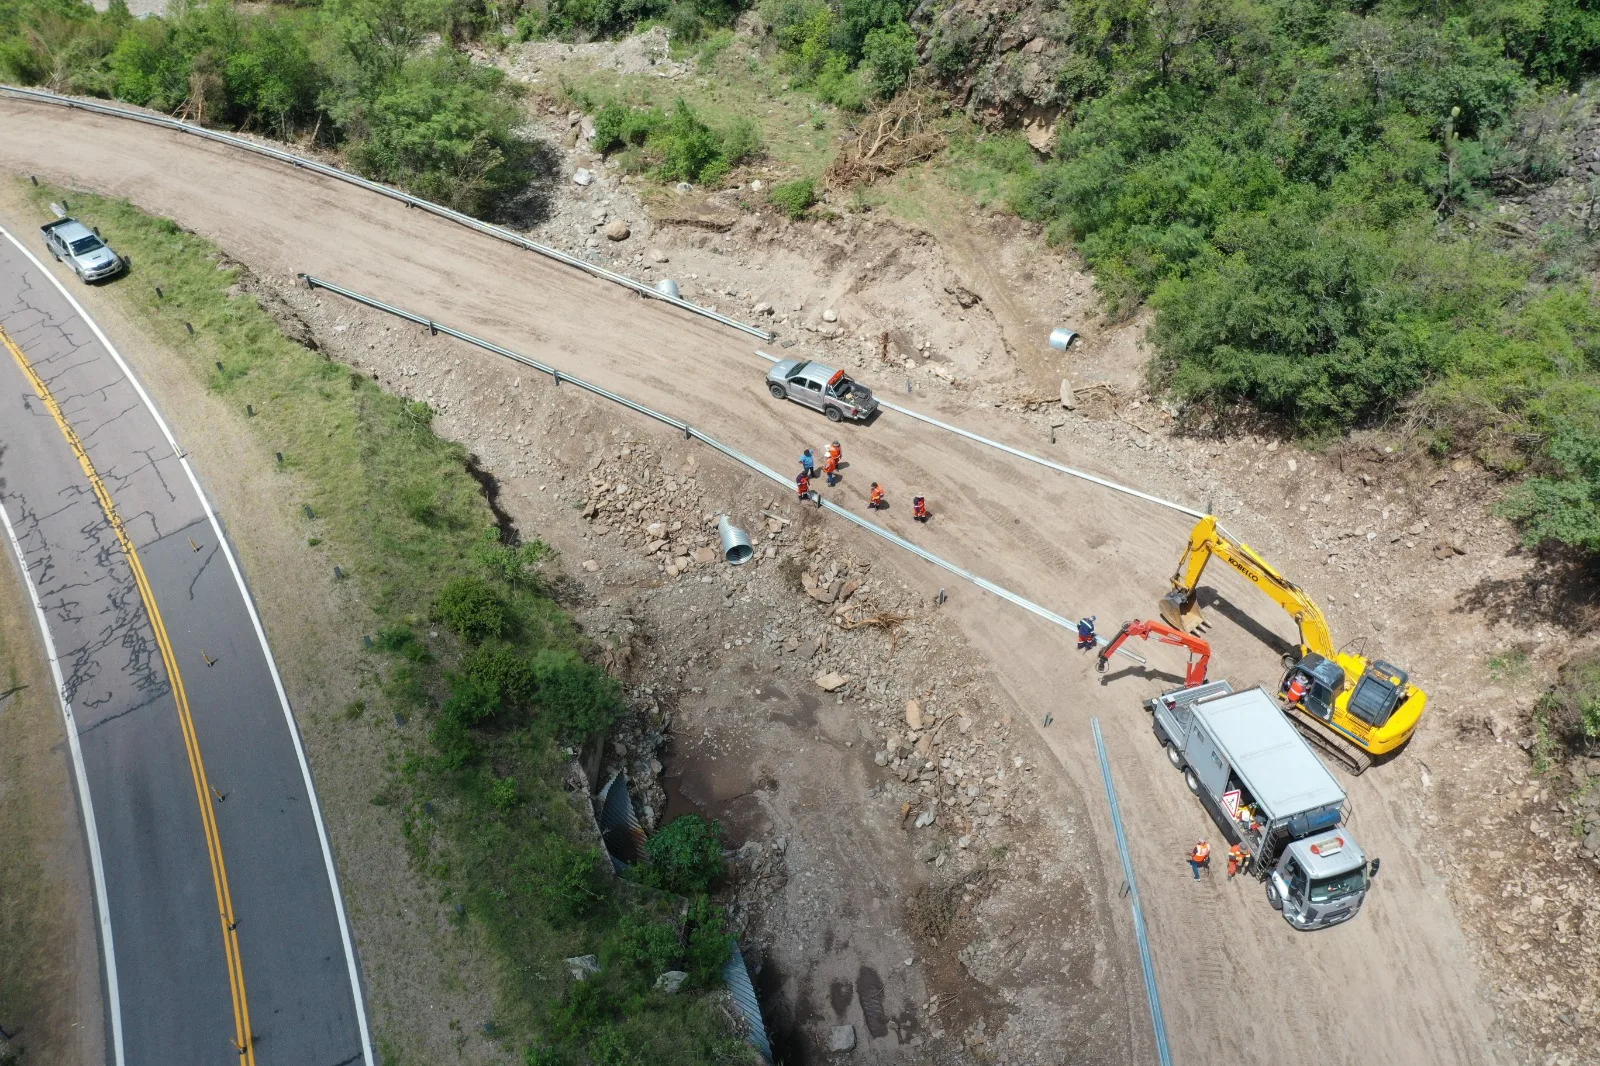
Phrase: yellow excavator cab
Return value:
(1354, 709)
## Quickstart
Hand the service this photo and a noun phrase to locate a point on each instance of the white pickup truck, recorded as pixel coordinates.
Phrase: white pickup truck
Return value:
(827, 389)
(75, 244)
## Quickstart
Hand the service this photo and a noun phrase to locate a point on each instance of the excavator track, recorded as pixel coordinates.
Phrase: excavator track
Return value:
(1331, 742)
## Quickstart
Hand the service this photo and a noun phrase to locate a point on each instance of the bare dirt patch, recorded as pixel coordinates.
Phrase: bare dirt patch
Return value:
(827, 854)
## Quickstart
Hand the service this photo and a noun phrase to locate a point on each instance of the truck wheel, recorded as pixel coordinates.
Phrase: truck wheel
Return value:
(1174, 756)
(54, 254)
(834, 414)
(1192, 781)
(1289, 660)
(1273, 898)
(777, 392)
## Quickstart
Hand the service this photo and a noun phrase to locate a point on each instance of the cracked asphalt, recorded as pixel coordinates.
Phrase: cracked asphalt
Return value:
(177, 1007)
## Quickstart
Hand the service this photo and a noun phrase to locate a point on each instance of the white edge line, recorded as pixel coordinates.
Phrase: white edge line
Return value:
(261, 635)
(96, 866)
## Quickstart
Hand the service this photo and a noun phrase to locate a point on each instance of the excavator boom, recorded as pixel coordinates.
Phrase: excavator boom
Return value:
(1349, 707)
(1179, 609)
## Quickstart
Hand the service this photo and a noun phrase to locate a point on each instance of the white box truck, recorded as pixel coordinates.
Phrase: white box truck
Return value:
(1266, 788)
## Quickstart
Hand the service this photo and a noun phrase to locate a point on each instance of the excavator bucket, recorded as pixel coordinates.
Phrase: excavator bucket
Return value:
(1181, 612)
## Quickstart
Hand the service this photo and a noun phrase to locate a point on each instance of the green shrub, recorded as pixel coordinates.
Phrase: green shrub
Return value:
(472, 609)
(1570, 711)
(891, 52)
(678, 143)
(794, 198)
(690, 149)
(643, 945)
(505, 668)
(708, 943)
(823, 43)
(685, 856)
(513, 565)
(401, 640)
(620, 126)
(472, 700)
(565, 875)
(576, 699)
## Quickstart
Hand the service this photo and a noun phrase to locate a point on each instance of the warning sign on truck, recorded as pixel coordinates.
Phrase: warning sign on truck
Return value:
(1230, 803)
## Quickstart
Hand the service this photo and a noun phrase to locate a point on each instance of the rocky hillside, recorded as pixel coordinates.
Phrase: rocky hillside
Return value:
(1006, 62)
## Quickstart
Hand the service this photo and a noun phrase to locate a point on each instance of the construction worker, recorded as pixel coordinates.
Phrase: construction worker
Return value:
(808, 463)
(1297, 688)
(876, 501)
(802, 485)
(835, 453)
(1199, 855)
(830, 466)
(919, 509)
(1237, 858)
(1086, 637)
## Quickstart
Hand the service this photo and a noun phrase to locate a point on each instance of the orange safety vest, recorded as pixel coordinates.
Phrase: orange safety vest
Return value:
(1202, 852)
(835, 453)
(831, 464)
(1237, 854)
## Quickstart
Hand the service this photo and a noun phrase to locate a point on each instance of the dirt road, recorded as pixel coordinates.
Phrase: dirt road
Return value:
(1395, 986)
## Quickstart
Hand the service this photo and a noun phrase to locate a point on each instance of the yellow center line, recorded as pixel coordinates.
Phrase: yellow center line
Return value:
(202, 787)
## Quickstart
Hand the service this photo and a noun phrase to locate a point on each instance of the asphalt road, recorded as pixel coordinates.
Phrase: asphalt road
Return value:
(177, 871)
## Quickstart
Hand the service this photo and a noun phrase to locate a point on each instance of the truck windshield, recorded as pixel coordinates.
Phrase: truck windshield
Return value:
(85, 244)
(1346, 884)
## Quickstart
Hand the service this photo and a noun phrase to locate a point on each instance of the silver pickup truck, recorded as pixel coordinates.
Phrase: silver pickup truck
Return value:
(827, 389)
(75, 244)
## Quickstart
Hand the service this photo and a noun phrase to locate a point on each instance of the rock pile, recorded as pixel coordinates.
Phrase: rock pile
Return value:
(965, 783)
(633, 499)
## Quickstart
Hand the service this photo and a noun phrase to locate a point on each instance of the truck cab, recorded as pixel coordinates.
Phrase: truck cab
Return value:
(1321, 880)
(1266, 790)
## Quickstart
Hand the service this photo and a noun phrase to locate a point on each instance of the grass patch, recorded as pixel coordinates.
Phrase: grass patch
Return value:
(504, 688)
(736, 82)
(1509, 666)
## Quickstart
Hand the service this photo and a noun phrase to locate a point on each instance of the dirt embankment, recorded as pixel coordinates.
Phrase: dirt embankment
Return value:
(903, 895)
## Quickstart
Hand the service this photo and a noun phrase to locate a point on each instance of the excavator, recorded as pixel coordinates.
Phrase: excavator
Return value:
(1199, 650)
(1351, 708)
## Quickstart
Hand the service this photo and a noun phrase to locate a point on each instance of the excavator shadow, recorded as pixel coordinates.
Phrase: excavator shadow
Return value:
(1209, 600)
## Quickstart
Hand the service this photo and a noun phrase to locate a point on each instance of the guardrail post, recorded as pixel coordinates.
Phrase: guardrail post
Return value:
(555, 376)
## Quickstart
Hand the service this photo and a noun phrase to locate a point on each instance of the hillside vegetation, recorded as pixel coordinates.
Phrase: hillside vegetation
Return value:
(363, 76)
(1299, 190)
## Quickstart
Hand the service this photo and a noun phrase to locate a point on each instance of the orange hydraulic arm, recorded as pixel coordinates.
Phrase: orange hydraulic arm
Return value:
(1199, 650)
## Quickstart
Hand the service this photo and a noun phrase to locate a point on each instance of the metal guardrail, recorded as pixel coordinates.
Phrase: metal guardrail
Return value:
(1020, 454)
(1146, 960)
(690, 433)
(429, 206)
